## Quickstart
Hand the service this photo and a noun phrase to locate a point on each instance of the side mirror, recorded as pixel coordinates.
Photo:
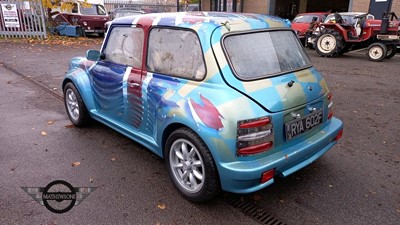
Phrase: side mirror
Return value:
(94, 55)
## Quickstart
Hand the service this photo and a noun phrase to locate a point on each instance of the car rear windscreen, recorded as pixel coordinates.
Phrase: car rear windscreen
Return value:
(264, 54)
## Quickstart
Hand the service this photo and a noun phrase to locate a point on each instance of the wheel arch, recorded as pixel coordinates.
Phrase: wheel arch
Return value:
(168, 130)
(80, 80)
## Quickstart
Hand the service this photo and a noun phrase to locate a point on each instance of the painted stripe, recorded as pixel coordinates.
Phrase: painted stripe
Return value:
(125, 83)
(179, 18)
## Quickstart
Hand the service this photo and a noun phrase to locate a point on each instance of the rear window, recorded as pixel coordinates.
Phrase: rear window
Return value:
(264, 54)
(175, 52)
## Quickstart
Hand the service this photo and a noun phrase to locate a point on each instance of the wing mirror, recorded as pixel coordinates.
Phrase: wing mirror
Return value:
(94, 55)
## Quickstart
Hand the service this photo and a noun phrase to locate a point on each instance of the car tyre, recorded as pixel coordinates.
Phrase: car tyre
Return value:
(377, 52)
(191, 166)
(76, 109)
(329, 43)
(391, 51)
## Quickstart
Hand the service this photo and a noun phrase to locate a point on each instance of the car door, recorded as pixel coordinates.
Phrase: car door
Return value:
(117, 79)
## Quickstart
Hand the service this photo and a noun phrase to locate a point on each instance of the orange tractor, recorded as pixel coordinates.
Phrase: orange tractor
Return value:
(339, 36)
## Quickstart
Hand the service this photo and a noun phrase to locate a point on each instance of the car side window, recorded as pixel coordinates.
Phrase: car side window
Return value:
(175, 52)
(125, 46)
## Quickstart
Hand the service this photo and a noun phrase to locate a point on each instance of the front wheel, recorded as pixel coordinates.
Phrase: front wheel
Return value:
(75, 106)
(191, 166)
(377, 52)
(391, 51)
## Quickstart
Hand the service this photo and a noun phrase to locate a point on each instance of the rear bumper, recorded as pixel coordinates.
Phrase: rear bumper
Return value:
(244, 176)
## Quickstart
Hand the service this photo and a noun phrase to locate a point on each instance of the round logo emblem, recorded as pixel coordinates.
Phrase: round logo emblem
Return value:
(59, 196)
(8, 7)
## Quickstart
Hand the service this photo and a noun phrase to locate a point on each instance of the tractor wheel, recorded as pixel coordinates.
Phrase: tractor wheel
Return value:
(329, 43)
(391, 51)
(377, 52)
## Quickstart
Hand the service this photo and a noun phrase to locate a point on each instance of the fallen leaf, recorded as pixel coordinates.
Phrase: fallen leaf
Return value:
(90, 179)
(74, 164)
(113, 158)
(44, 133)
(161, 206)
(331, 186)
(9, 82)
(257, 197)
(69, 126)
(50, 122)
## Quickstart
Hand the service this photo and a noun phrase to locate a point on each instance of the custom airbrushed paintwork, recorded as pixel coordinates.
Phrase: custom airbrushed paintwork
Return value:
(210, 107)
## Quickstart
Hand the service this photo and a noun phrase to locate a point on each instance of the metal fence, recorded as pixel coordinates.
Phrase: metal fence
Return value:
(147, 6)
(22, 18)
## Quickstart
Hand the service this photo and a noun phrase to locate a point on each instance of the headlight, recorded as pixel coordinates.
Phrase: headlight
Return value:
(84, 23)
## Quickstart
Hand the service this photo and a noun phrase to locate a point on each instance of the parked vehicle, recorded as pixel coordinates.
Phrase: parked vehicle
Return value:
(90, 16)
(194, 88)
(380, 36)
(304, 23)
(121, 12)
(347, 17)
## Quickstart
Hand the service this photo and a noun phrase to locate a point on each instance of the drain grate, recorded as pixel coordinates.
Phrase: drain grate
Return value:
(251, 209)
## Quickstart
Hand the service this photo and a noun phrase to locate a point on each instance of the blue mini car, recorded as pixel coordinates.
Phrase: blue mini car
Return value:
(228, 100)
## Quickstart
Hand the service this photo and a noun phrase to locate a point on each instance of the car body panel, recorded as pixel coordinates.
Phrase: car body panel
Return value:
(302, 21)
(146, 106)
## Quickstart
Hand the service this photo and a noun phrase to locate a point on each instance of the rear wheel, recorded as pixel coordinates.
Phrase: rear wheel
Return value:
(191, 166)
(329, 43)
(391, 51)
(377, 52)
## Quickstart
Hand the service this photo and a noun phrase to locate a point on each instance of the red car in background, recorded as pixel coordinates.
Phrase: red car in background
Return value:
(304, 22)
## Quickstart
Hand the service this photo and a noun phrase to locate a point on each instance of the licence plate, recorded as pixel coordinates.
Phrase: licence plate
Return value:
(302, 124)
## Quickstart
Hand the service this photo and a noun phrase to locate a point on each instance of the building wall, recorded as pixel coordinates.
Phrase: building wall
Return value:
(256, 6)
(396, 7)
(205, 5)
(261, 6)
(360, 5)
(363, 6)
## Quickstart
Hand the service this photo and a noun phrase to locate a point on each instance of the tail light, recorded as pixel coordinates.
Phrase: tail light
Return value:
(330, 103)
(254, 136)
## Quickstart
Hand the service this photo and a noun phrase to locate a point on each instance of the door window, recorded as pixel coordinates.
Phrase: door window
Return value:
(125, 46)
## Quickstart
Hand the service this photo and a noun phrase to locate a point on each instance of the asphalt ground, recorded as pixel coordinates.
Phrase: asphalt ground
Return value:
(357, 182)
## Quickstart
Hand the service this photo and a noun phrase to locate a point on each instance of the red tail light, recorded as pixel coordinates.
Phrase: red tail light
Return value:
(330, 114)
(254, 136)
(255, 149)
(256, 123)
(329, 96)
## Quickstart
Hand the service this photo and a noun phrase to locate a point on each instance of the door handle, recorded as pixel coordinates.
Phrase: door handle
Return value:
(133, 85)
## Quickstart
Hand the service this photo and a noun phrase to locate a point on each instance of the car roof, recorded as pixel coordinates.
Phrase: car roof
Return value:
(236, 21)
